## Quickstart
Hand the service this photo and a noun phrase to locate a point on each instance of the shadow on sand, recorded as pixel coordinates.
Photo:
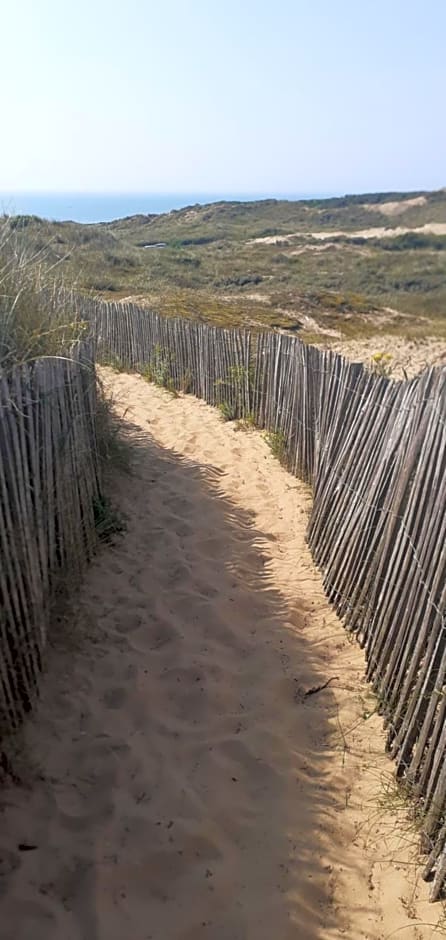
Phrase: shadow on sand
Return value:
(183, 768)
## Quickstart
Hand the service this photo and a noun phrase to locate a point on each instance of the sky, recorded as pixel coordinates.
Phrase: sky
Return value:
(290, 96)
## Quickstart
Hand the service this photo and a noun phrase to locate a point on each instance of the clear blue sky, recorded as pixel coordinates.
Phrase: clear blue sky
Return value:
(278, 96)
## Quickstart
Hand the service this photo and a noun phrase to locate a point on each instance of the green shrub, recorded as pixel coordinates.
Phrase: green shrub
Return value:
(238, 380)
(276, 441)
(227, 411)
(23, 221)
(158, 369)
(413, 240)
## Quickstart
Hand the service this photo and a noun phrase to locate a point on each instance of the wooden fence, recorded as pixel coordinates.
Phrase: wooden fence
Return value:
(374, 452)
(49, 482)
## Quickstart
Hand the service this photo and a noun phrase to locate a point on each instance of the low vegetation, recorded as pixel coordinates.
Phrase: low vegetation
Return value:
(381, 364)
(38, 319)
(34, 319)
(257, 264)
(276, 441)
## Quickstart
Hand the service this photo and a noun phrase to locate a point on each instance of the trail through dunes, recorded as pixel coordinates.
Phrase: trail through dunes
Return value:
(205, 761)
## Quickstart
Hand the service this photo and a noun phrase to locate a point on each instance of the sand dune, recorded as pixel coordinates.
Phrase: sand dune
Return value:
(379, 231)
(396, 208)
(188, 781)
(408, 357)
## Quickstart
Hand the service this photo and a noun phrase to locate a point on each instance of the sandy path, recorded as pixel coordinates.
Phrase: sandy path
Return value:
(185, 785)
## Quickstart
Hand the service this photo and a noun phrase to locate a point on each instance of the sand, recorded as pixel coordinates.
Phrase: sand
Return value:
(409, 357)
(396, 208)
(379, 231)
(182, 777)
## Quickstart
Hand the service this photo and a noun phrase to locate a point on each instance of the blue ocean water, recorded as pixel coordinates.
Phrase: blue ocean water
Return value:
(102, 207)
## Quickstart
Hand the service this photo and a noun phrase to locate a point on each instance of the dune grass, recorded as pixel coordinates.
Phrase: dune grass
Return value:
(36, 318)
(39, 318)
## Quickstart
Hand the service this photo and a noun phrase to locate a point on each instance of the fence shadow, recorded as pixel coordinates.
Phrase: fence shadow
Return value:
(183, 772)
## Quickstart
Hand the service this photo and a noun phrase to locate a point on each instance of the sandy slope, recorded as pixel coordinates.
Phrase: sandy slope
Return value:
(379, 231)
(409, 357)
(186, 784)
(396, 208)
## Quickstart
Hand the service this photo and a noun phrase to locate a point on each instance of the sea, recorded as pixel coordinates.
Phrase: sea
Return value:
(106, 207)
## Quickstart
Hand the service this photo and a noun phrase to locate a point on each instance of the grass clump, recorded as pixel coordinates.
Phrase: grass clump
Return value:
(276, 441)
(108, 522)
(236, 387)
(248, 423)
(114, 362)
(227, 411)
(158, 369)
(37, 317)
